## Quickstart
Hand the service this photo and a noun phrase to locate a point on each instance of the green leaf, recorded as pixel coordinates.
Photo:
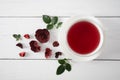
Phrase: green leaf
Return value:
(17, 36)
(68, 67)
(59, 24)
(61, 61)
(54, 20)
(60, 69)
(49, 26)
(46, 19)
(65, 59)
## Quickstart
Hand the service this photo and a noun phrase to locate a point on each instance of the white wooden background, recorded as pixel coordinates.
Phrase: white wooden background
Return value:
(46, 69)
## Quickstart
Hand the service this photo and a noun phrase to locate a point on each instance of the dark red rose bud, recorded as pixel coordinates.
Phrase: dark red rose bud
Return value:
(27, 36)
(55, 44)
(34, 46)
(22, 54)
(48, 52)
(57, 54)
(19, 45)
(42, 35)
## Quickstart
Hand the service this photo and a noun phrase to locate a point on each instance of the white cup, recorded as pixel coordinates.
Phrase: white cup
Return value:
(62, 37)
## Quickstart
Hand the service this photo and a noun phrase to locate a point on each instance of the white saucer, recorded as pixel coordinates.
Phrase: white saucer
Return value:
(62, 37)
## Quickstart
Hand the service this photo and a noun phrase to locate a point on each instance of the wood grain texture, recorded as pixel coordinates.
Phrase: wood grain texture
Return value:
(104, 67)
(59, 7)
(29, 24)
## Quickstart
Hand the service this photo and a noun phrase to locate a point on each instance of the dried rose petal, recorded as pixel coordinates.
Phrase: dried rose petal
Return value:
(34, 46)
(34, 43)
(57, 54)
(42, 35)
(19, 45)
(48, 52)
(27, 36)
(55, 44)
(22, 54)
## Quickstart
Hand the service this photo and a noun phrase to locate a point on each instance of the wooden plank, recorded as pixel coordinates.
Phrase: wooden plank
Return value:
(9, 26)
(59, 7)
(44, 70)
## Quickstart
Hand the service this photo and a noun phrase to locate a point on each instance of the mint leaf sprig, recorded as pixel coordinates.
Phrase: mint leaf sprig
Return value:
(64, 65)
(51, 21)
(17, 36)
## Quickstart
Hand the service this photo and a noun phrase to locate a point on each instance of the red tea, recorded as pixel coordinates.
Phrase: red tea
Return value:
(83, 37)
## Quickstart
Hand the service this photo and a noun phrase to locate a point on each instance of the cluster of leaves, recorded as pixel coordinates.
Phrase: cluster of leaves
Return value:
(51, 21)
(64, 65)
(17, 36)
